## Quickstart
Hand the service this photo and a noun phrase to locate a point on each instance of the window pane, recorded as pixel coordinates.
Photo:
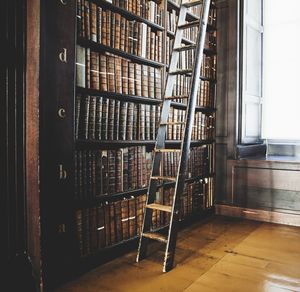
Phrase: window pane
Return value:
(281, 117)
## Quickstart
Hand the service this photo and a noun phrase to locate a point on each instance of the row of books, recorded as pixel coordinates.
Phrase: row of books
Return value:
(104, 172)
(206, 91)
(110, 223)
(114, 30)
(199, 164)
(107, 72)
(208, 67)
(203, 128)
(147, 9)
(100, 118)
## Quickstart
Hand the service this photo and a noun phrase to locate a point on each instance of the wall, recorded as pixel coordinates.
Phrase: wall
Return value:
(269, 185)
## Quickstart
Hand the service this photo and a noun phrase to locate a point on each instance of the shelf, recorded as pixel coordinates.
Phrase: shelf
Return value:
(138, 99)
(119, 96)
(103, 48)
(127, 14)
(100, 144)
(91, 202)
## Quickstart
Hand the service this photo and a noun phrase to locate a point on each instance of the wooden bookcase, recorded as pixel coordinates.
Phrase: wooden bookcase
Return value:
(99, 111)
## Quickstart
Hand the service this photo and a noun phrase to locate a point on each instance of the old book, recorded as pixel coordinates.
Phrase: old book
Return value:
(107, 225)
(80, 66)
(85, 117)
(125, 219)
(92, 118)
(124, 76)
(123, 120)
(98, 118)
(135, 127)
(158, 83)
(79, 231)
(79, 19)
(77, 115)
(98, 172)
(104, 172)
(104, 27)
(145, 81)
(130, 118)
(93, 11)
(151, 82)
(111, 119)
(112, 223)
(141, 122)
(108, 27)
(117, 31)
(138, 79)
(94, 70)
(131, 80)
(111, 171)
(122, 33)
(119, 171)
(132, 217)
(116, 120)
(147, 121)
(103, 73)
(111, 73)
(104, 123)
(118, 75)
(87, 19)
(99, 24)
(130, 168)
(87, 68)
(143, 39)
(118, 221)
(100, 227)
(125, 168)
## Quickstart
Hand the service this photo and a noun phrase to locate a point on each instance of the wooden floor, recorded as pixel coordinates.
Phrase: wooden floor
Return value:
(221, 254)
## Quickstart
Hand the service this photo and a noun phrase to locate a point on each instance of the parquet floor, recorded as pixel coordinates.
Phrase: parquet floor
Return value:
(221, 254)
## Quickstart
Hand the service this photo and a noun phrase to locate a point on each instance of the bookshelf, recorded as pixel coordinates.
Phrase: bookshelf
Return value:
(115, 56)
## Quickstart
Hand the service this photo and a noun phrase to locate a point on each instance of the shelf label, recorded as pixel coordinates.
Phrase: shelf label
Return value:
(62, 172)
(63, 55)
(62, 113)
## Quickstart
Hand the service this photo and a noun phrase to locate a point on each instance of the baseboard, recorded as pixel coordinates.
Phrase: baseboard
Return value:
(258, 215)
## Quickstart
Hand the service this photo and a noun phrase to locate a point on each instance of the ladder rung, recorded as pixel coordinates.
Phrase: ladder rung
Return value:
(167, 150)
(155, 236)
(177, 97)
(171, 178)
(185, 48)
(160, 207)
(191, 4)
(189, 24)
(172, 123)
(181, 72)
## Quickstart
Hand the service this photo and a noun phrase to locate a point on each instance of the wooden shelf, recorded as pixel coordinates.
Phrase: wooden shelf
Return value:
(138, 99)
(103, 48)
(100, 144)
(91, 202)
(128, 14)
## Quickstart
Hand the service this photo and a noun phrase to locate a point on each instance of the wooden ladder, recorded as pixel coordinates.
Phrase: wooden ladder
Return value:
(156, 178)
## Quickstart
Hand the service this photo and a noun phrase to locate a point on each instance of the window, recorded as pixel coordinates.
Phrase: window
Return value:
(251, 71)
(269, 83)
(281, 91)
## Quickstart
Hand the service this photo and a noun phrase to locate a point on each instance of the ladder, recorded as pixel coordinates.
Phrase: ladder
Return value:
(156, 178)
